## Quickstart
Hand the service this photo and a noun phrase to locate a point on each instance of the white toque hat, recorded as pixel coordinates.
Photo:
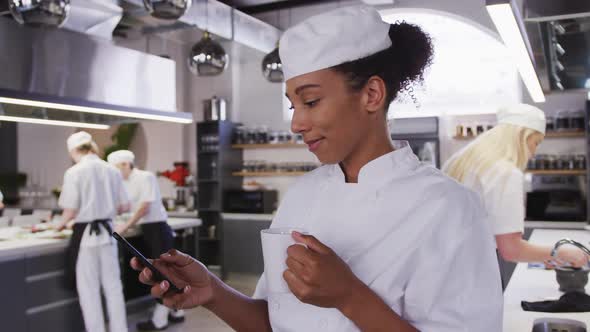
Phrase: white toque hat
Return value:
(333, 38)
(78, 139)
(121, 156)
(523, 115)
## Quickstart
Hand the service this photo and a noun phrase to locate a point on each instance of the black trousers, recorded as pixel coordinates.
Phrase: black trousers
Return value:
(158, 238)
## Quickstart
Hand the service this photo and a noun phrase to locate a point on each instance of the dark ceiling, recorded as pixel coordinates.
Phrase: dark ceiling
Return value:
(259, 6)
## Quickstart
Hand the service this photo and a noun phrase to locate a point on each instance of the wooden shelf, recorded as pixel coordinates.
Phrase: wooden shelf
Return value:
(565, 134)
(556, 172)
(267, 174)
(551, 134)
(464, 138)
(268, 146)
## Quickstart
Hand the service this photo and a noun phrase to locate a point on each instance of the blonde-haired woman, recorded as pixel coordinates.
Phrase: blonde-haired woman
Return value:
(493, 166)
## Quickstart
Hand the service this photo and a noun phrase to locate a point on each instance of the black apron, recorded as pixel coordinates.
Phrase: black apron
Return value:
(74, 247)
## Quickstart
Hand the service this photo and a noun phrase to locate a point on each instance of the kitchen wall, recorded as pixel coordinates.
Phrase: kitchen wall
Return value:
(42, 153)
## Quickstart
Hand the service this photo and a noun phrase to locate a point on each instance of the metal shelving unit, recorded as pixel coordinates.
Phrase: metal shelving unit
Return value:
(214, 178)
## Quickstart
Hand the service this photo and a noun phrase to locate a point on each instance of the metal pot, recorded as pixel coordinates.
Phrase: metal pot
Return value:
(570, 279)
(214, 109)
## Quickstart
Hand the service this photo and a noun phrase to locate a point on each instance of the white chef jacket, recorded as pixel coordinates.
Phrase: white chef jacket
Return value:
(142, 186)
(1, 197)
(502, 190)
(417, 238)
(95, 189)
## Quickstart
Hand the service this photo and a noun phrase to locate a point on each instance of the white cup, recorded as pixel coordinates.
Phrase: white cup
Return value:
(275, 242)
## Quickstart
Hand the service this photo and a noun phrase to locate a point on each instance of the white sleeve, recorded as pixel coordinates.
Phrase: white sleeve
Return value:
(261, 292)
(70, 195)
(456, 285)
(149, 189)
(504, 202)
(1, 197)
(120, 191)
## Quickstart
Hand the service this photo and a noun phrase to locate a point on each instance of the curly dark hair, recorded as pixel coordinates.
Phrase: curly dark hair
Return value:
(399, 66)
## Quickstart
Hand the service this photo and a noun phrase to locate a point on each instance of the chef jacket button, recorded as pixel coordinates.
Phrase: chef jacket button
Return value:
(323, 323)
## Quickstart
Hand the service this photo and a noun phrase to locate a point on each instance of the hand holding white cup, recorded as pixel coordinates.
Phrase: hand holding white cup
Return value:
(275, 242)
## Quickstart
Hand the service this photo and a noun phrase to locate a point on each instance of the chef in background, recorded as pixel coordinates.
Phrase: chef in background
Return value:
(1, 201)
(493, 166)
(147, 211)
(92, 195)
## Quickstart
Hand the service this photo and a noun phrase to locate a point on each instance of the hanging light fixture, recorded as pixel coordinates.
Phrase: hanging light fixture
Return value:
(40, 12)
(272, 68)
(167, 9)
(207, 57)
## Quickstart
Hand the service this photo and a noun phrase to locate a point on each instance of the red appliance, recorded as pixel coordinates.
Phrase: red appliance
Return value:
(178, 174)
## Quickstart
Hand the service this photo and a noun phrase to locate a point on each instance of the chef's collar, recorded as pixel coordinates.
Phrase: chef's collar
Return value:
(133, 173)
(90, 156)
(388, 166)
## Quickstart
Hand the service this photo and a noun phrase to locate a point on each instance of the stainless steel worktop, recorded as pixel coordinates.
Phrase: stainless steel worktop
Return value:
(29, 247)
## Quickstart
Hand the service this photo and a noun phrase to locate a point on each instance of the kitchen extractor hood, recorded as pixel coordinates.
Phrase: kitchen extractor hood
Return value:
(208, 15)
(560, 39)
(62, 70)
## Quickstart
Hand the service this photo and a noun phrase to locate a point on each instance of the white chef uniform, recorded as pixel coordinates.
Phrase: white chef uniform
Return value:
(415, 237)
(142, 187)
(501, 189)
(95, 189)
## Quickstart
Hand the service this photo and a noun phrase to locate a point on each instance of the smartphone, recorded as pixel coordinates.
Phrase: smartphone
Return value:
(157, 275)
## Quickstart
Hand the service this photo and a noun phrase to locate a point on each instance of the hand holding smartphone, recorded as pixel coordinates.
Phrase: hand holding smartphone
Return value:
(157, 275)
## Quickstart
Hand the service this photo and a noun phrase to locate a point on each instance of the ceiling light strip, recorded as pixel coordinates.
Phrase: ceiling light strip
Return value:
(95, 110)
(53, 122)
(504, 19)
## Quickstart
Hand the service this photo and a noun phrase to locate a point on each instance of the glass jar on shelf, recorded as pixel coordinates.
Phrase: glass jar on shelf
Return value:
(562, 121)
(550, 124)
(273, 137)
(580, 162)
(551, 162)
(577, 121)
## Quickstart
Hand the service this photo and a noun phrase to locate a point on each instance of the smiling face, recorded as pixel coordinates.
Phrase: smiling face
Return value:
(333, 119)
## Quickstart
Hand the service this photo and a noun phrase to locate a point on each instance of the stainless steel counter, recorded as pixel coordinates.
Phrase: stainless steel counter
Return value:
(556, 224)
(30, 247)
(186, 214)
(248, 216)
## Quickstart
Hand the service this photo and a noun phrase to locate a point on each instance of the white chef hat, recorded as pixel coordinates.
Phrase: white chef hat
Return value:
(523, 115)
(329, 39)
(78, 139)
(121, 156)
